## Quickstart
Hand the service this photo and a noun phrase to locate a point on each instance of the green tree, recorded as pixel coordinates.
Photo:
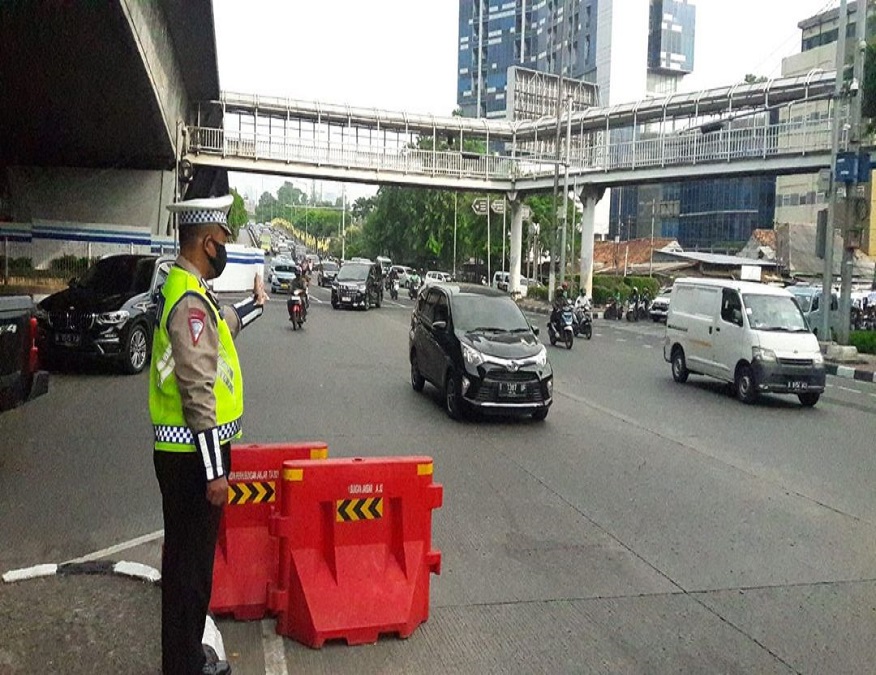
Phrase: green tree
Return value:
(237, 216)
(751, 78)
(268, 208)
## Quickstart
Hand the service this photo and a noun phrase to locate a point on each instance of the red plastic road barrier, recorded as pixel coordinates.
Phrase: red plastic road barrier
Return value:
(355, 548)
(247, 556)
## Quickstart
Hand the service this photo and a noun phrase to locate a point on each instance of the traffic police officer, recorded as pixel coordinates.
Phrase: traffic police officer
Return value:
(196, 405)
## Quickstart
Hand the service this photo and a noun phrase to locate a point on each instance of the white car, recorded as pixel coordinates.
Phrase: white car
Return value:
(433, 277)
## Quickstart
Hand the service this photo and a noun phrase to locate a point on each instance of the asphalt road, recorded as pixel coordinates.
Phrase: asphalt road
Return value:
(645, 526)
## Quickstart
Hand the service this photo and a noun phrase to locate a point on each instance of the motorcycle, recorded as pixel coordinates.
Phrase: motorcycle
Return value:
(637, 310)
(413, 289)
(613, 310)
(297, 309)
(393, 289)
(561, 326)
(583, 322)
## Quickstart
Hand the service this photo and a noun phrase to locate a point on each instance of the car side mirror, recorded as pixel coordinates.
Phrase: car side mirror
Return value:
(534, 330)
(439, 325)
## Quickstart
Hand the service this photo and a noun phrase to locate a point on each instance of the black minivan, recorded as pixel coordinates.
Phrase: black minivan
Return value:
(473, 343)
(357, 284)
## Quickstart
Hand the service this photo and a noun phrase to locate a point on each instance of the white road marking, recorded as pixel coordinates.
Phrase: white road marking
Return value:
(854, 391)
(124, 546)
(648, 346)
(620, 339)
(275, 653)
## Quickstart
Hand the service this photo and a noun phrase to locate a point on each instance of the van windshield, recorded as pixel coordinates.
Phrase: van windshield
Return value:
(774, 313)
(804, 301)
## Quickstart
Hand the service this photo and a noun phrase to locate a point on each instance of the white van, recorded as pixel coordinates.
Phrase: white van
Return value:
(748, 334)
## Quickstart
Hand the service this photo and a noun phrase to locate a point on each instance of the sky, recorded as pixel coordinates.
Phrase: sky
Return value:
(402, 54)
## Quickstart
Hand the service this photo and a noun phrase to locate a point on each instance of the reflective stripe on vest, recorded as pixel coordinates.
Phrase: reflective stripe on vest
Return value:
(165, 402)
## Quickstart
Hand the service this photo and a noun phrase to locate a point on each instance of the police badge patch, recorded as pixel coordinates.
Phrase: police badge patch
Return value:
(196, 324)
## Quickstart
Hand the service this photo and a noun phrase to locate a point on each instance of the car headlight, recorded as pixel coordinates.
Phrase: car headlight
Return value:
(471, 355)
(759, 353)
(362, 288)
(541, 357)
(113, 318)
(818, 359)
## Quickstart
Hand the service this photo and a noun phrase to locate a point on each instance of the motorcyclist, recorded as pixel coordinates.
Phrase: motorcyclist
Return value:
(299, 283)
(561, 296)
(413, 283)
(582, 302)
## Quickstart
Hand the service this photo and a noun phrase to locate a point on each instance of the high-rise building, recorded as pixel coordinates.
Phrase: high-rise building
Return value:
(799, 198)
(628, 53)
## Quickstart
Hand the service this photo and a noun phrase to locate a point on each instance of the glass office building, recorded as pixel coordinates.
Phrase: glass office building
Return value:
(494, 36)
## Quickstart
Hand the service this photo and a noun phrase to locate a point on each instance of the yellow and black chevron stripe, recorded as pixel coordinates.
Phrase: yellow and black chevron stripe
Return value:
(359, 509)
(251, 493)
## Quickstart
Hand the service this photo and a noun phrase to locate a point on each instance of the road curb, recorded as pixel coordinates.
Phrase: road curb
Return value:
(849, 372)
(123, 568)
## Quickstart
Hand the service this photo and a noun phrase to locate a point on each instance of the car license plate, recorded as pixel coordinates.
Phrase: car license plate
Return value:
(67, 339)
(798, 386)
(345, 298)
(512, 389)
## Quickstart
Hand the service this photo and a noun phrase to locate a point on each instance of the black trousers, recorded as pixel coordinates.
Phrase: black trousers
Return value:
(191, 526)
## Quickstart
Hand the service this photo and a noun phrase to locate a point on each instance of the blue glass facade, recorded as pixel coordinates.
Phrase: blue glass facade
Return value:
(671, 30)
(493, 36)
(700, 214)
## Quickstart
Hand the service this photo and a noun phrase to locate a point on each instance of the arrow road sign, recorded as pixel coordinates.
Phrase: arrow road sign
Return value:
(498, 206)
(480, 206)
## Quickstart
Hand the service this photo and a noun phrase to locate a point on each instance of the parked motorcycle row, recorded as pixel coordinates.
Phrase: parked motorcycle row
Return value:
(631, 310)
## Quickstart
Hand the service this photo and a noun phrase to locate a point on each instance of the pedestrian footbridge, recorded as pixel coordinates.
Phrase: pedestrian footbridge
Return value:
(777, 127)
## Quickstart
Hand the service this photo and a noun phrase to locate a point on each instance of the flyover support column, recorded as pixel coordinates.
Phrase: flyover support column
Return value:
(516, 241)
(590, 196)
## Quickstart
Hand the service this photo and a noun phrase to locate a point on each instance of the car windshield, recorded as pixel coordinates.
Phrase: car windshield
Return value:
(329, 267)
(118, 275)
(353, 272)
(482, 313)
(287, 269)
(773, 313)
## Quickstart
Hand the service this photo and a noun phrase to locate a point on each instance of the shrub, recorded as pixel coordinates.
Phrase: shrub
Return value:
(537, 292)
(864, 340)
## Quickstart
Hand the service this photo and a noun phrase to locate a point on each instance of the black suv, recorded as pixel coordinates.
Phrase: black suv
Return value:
(357, 284)
(474, 344)
(108, 313)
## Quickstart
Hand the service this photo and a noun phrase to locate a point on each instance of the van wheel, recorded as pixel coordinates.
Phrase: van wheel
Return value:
(746, 389)
(679, 366)
(809, 399)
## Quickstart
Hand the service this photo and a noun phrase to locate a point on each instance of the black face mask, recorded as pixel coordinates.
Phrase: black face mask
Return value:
(220, 260)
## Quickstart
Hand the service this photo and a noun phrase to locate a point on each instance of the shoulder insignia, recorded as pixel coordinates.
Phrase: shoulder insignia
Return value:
(197, 317)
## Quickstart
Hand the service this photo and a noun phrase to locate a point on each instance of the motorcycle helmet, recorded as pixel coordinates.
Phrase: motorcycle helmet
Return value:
(565, 285)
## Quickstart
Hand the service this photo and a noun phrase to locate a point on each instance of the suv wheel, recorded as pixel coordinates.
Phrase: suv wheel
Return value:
(136, 350)
(452, 399)
(679, 366)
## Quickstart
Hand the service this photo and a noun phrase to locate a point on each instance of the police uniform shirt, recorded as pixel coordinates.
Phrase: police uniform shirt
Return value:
(194, 339)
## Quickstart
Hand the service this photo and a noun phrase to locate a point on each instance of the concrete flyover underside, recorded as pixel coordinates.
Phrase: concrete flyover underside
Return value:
(102, 84)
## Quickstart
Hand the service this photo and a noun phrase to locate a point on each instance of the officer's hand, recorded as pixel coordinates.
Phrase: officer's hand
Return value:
(217, 491)
(258, 290)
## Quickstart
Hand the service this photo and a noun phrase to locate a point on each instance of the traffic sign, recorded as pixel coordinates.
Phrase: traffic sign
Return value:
(480, 206)
(527, 212)
(498, 206)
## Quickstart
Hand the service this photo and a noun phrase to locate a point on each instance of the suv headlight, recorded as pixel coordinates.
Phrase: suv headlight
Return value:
(471, 355)
(759, 353)
(818, 359)
(541, 357)
(362, 288)
(113, 318)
